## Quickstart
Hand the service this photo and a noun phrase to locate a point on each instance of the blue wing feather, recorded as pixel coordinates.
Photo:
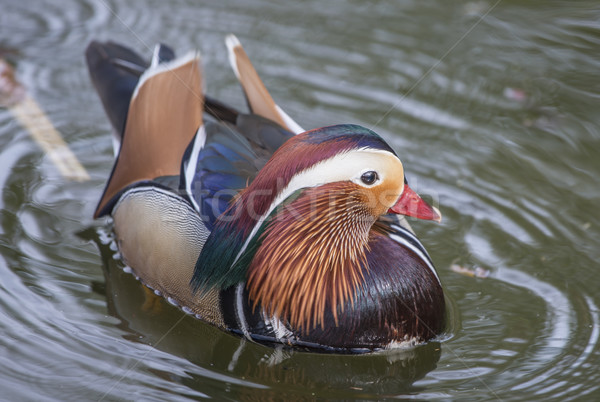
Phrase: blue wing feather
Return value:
(231, 157)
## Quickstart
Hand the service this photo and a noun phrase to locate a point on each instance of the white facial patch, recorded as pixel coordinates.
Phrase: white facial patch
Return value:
(346, 166)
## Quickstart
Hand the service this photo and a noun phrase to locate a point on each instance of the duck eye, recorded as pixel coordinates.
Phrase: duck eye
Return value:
(369, 177)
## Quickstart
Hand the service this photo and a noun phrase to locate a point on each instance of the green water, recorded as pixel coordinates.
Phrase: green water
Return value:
(493, 107)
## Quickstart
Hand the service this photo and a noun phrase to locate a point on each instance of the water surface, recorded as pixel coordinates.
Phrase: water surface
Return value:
(491, 105)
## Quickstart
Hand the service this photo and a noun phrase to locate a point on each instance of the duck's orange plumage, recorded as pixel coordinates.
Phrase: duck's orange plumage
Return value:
(312, 255)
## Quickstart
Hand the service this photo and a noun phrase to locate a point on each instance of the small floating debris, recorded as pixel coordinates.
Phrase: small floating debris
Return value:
(11, 91)
(516, 94)
(476, 272)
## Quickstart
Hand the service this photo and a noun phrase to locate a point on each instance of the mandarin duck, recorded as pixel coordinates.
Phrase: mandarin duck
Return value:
(253, 224)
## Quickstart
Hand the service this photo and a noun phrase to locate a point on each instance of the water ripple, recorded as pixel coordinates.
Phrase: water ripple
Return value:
(502, 134)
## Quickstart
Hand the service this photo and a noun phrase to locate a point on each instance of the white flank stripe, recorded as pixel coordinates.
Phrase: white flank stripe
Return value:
(192, 162)
(418, 251)
(239, 298)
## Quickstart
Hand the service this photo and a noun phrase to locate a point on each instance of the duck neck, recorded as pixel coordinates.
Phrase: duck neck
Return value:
(311, 255)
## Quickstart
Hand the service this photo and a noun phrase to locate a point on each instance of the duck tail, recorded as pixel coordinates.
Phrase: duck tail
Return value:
(158, 110)
(259, 100)
(114, 71)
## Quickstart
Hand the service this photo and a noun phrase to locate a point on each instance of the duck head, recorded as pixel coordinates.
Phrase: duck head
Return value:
(351, 155)
(301, 233)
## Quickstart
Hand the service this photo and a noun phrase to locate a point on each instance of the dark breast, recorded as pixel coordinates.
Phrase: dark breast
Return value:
(400, 300)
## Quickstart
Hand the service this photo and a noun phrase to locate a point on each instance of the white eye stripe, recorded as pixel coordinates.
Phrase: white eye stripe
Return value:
(337, 168)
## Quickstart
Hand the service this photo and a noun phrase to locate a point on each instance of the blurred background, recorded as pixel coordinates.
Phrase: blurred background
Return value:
(493, 107)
